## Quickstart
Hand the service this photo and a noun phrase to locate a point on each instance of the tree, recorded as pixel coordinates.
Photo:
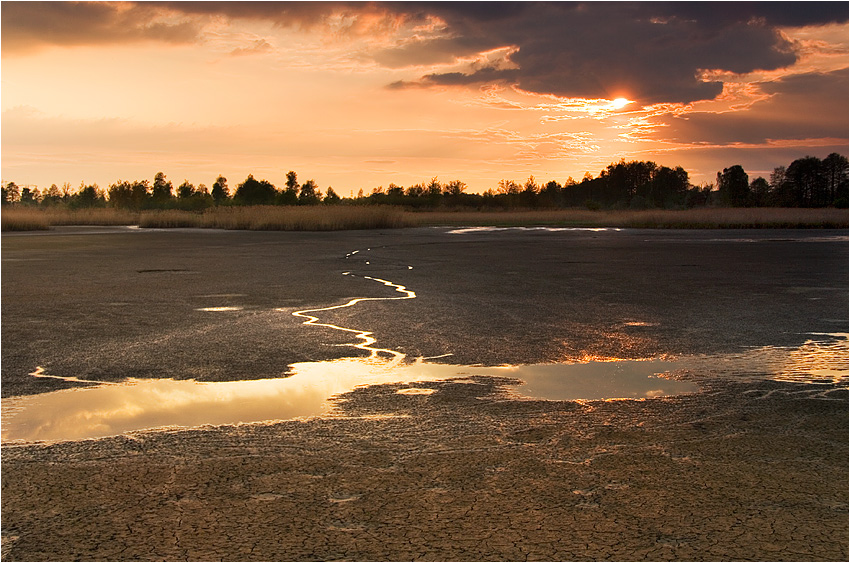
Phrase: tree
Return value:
(760, 192)
(161, 191)
(88, 196)
(508, 187)
(11, 193)
(52, 197)
(220, 193)
(28, 196)
(734, 186)
(454, 188)
(331, 198)
(550, 194)
(807, 182)
(528, 196)
(254, 192)
(780, 188)
(835, 172)
(185, 190)
(120, 194)
(289, 196)
(668, 187)
(309, 194)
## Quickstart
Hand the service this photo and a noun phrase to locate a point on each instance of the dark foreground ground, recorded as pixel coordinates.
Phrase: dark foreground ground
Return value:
(745, 470)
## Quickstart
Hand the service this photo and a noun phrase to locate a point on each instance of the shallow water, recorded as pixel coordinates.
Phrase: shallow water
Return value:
(106, 410)
(112, 409)
(109, 409)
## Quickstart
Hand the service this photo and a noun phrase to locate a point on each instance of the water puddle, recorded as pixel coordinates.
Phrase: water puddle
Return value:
(467, 230)
(143, 404)
(140, 404)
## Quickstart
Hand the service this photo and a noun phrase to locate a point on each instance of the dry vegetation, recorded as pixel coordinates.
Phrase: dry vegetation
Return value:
(33, 219)
(276, 218)
(701, 218)
(343, 217)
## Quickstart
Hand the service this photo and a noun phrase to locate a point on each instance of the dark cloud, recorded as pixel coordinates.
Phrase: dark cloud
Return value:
(27, 26)
(650, 52)
(647, 51)
(807, 106)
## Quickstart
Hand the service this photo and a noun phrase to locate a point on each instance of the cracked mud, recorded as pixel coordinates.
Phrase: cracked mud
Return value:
(753, 467)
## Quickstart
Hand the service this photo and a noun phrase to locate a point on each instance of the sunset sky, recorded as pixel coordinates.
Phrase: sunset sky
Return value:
(359, 95)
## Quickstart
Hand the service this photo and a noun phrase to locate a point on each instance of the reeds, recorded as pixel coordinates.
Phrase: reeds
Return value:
(34, 219)
(272, 218)
(345, 217)
(701, 218)
(23, 219)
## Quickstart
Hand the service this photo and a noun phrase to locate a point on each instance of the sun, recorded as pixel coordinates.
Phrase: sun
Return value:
(619, 103)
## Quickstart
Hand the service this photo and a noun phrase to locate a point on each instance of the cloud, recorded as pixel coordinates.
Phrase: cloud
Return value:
(806, 106)
(258, 47)
(29, 26)
(649, 52)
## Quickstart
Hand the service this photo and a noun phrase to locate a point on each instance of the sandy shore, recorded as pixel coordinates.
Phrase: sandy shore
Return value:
(746, 469)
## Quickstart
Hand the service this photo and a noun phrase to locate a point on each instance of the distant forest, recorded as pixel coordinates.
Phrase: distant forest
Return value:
(806, 182)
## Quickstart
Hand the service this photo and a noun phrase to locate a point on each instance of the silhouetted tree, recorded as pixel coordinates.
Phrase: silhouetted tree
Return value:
(289, 196)
(416, 191)
(808, 184)
(759, 192)
(454, 188)
(185, 190)
(331, 198)
(11, 193)
(780, 188)
(309, 194)
(120, 194)
(52, 197)
(161, 191)
(733, 186)
(28, 196)
(550, 195)
(254, 192)
(88, 196)
(835, 172)
(220, 193)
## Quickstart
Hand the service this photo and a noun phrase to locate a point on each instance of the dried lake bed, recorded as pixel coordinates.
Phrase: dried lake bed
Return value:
(729, 443)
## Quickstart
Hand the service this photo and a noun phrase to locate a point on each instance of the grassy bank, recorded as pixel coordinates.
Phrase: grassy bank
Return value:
(333, 218)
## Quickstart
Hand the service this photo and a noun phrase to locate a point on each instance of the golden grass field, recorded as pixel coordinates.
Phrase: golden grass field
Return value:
(346, 217)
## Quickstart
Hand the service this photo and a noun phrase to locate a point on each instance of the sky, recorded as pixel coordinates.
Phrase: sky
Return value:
(364, 94)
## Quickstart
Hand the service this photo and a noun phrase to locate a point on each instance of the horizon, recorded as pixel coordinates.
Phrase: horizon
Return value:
(357, 96)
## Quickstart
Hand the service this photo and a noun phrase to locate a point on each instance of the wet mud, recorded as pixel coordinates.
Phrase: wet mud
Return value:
(752, 471)
(751, 467)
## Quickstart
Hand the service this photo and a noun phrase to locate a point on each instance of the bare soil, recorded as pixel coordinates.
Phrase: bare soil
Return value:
(744, 470)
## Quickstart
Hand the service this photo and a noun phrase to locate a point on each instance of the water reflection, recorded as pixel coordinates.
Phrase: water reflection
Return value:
(108, 410)
(467, 230)
(113, 409)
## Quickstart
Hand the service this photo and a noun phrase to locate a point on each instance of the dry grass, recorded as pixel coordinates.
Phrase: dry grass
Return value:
(270, 218)
(33, 218)
(705, 218)
(95, 216)
(22, 219)
(344, 217)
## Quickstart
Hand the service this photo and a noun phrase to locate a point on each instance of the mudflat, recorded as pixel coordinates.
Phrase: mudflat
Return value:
(753, 466)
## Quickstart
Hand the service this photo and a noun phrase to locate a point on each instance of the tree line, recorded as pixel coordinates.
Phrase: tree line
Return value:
(806, 182)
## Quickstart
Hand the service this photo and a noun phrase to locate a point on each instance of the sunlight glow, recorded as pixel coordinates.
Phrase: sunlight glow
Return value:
(620, 103)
